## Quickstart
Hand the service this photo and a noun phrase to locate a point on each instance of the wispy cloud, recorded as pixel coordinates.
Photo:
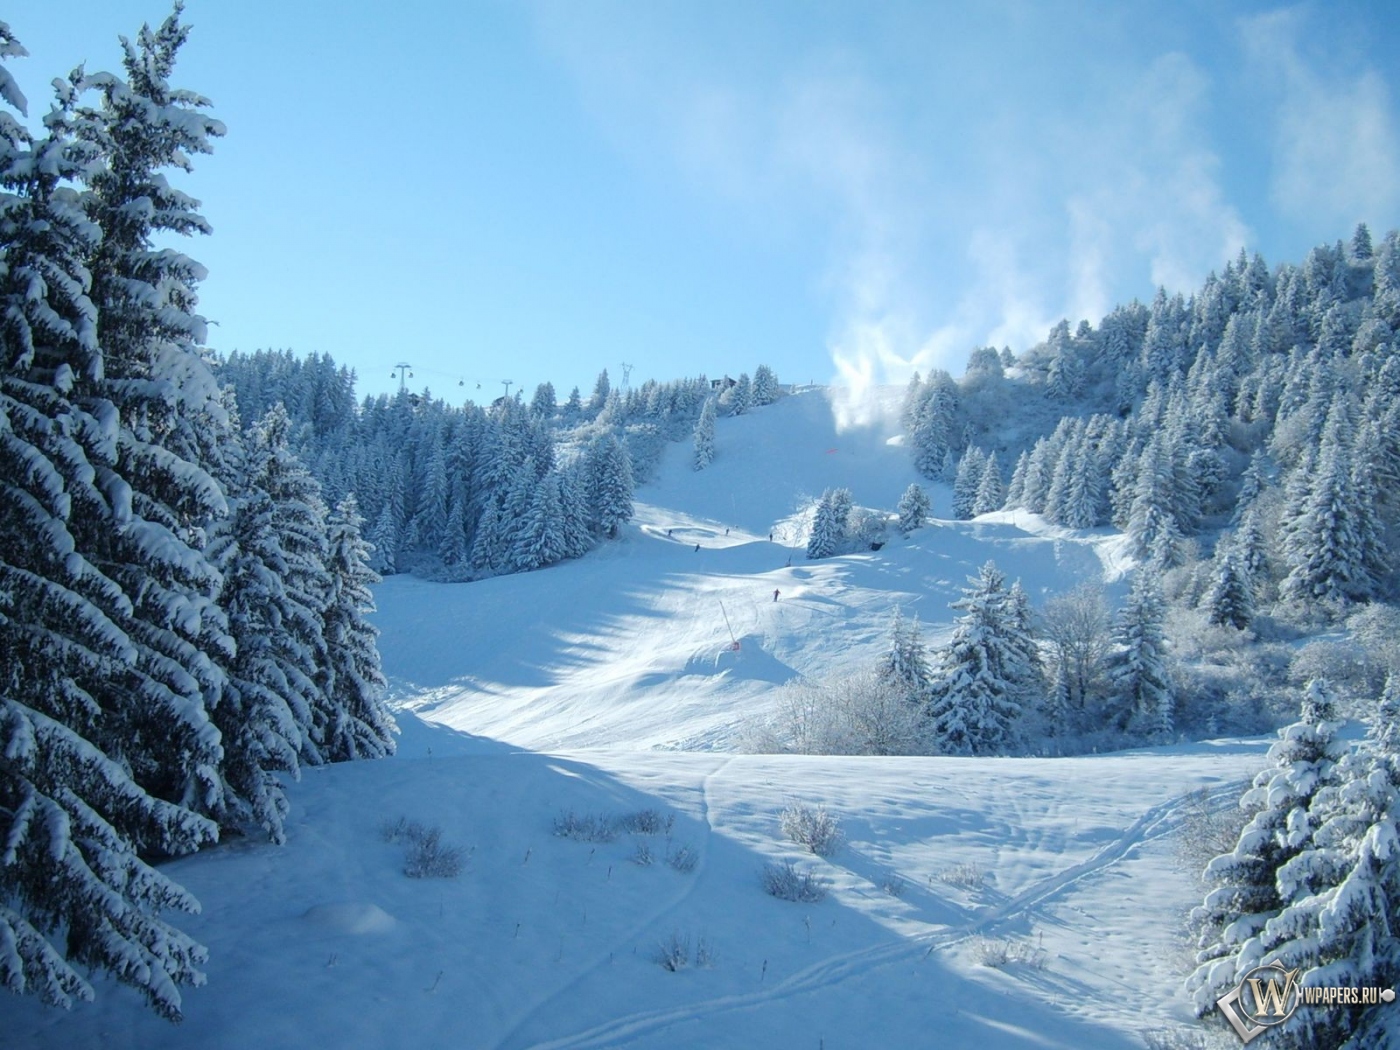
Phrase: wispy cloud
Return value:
(944, 223)
(1336, 147)
(1155, 194)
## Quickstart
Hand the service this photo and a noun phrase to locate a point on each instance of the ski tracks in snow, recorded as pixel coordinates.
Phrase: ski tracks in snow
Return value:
(510, 1037)
(1157, 821)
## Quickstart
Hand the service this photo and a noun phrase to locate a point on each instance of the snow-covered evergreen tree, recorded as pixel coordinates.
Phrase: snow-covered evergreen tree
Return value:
(975, 703)
(602, 388)
(991, 492)
(1323, 543)
(265, 705)
(1231, 596)
(913, 509)
(1138, 668)
(75, 891)
(971, 467)
(539, 538)
(170, 412)
(1246, 892)
(359, 724)
(829, 524)
(705, 435)
(610, 482)
(765, 386)
(737, 399)
(905, 663)
(1341, 891)
(543, 404)
(298, 519)
(573, 505)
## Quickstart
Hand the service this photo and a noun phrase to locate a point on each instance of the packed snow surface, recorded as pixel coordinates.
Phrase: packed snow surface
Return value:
(602, 688)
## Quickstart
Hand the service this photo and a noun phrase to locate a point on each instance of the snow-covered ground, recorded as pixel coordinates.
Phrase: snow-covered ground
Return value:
(571, 690)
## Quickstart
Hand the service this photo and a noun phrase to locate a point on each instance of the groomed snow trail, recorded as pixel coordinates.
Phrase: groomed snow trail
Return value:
(1156, 822)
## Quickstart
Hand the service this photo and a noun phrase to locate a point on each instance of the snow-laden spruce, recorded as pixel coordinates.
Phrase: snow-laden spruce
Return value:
(982, 681)
(704, 438)
(359, 724)
(1248, 893)
(97, 716)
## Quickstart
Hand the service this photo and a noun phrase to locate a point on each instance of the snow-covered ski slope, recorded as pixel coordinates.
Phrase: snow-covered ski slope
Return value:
(532, 697)
(627, 647)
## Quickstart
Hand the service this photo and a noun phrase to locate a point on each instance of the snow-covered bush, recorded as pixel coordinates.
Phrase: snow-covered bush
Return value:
(1344, 663)
(430, 858)
(589, 827)
(867, 529)
(642, 855)
(401, 829)
(812, 827)
(673, 953)
(683, 858)
(1209, 827)
(1002, 951)
(646, 822)
(786, 883)
(893, 884)
(856, 713)
(969, 876)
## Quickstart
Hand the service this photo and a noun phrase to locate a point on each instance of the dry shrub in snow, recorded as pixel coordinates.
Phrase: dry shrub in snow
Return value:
(1001, 951)
(683, 858)
(646, 822)
(428, 856)
(969, 876)
(786, 883)
(588, 827)
(674, 953)
(812, 827)
(1210, 826)
(850, 714)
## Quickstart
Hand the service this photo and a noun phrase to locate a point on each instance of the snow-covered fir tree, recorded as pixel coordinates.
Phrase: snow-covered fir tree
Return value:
(359, 724)
(1246, 893)
(913, 509)
(976, 701)
(1141, 681)
(76, 894)
(1341, 891)
(298, 519)
(991, 491)
(829, 524)
(904, 664)
(971, 468)
(1324, 543)
(765, 386)
(705, 435)
(170, 412)
(610, 483)
(265, 705)
(1230, 599)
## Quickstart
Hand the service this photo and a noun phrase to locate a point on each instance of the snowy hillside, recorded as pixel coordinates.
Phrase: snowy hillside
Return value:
(545, 941)
(627, 647)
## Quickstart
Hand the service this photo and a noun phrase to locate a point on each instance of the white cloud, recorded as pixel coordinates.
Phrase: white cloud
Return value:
(1156, 194)
(1336, 148)
(941, 230)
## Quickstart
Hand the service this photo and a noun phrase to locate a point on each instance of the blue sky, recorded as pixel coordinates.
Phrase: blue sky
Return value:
(533, 191)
